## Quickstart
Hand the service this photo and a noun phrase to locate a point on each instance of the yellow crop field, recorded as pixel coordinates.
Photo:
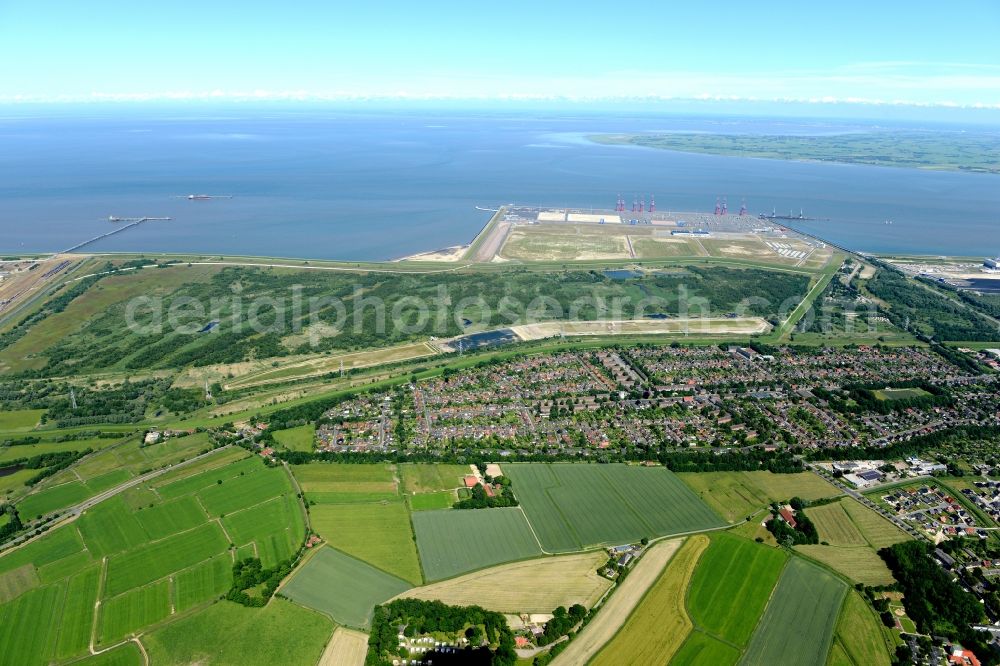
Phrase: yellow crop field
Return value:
(531, 586)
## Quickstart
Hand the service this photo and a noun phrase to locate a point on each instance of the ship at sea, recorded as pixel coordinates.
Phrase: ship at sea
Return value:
(801, 216)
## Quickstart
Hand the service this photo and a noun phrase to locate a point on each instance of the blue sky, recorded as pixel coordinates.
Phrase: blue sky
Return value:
(917, 52)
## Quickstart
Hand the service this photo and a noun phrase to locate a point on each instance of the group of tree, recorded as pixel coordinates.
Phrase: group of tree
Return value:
(803, 533)
(253, 585)
(562, 623)
(503, 495)
(915, 446)
(13, 524)
(934, 601)
(490, 640)
(922, 309)
(861, 398)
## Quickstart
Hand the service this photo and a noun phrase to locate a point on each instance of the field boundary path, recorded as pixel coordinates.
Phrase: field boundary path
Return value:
(71, 513)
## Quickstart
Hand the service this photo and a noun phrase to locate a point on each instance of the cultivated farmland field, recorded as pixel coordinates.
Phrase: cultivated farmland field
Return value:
(203, 582)
(20, 419)
(432, 501)
(336, 483)
(243, 492)
(731, 586)
(78, 613)
(525, 587)
(156, 560)
(29, 626)
(798, 625)
(453, 542)
(346, 648)
(136, 608)
(659, 624)
(702, 650)
(301, 438)
(53, 499)
(227, 634)
(110, 527)
(343, 587)
(619, 606)
(854, 533)
(428, 478)
(850, 523)
(379, 534)
(572, 506)
(859, 636)
(859, 563)
(736, 495)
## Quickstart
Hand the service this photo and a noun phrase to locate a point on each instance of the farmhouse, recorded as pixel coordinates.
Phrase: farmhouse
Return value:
(788, 516)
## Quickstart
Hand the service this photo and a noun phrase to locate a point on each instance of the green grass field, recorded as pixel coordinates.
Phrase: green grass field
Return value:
(203, 582)
(155, 560)
(110, 527)
(453, 542)
(427, 478)
(29, 626)
(731, 586)
(243, 492)
(302, 438)
(20, 419)
(277, 527)
(379, 534)
(160, 553)
(177, 484)
(900, 393)
(127, 654)
(343, 587)
(573, 506)
(798, 624)
(736, 495)
(227, 634)
(78, 612)
(334, 483)
(15, 582)
(51, 547)
(859, 638)
(171, 517)
(700, 649)
(53, 499)
(432, 501)
(133, 610)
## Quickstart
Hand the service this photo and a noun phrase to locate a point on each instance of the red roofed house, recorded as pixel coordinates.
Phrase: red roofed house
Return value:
(788, 516)
(963, 658)
(471, 481)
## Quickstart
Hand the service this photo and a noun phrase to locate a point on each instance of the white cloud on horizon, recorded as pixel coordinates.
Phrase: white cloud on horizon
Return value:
(889, 83)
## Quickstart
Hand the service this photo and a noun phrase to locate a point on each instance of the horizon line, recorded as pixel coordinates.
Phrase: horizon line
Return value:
(306, 96)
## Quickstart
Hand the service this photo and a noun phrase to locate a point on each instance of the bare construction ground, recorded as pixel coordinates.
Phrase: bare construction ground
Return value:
(553, 241)
(697, 326)
(532, 586)
(346, 648)
(619, 606)
(256, 374)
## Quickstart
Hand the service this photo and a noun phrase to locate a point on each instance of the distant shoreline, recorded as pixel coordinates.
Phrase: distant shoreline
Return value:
(908, 150)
